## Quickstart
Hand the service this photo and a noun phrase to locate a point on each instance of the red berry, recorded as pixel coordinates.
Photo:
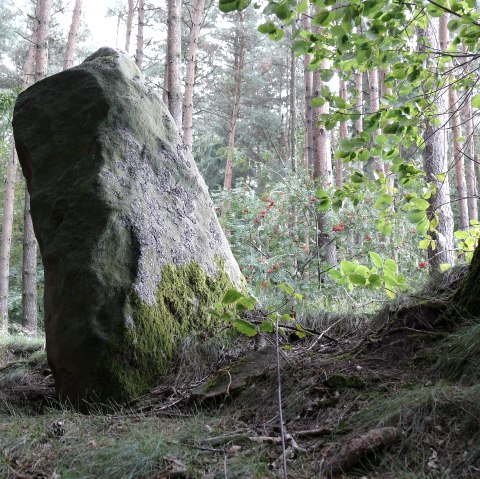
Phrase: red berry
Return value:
(422, 264)
(264, 284)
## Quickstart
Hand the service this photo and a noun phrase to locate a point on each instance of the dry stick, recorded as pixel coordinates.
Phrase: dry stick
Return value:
(324, 334)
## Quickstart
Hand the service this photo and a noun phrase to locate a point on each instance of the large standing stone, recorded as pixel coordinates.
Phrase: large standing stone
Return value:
(132, 249)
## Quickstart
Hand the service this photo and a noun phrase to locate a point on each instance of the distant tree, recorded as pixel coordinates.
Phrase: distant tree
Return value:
(198, 7)
(435, 164)
(239, 63)
(72, 35)
(141, 24)
(128, 33)
(173, 67)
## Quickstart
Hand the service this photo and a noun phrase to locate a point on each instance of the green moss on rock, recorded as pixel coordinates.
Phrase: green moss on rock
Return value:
(183, 296)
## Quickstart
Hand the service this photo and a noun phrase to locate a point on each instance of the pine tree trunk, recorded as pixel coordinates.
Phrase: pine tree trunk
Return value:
(141, 24)
(128, 34)
(6, 239)
(29, 272)
(436, 165)
(239, 62)
(72, 35)
(198, 7)
(174, 61)
(44, 8)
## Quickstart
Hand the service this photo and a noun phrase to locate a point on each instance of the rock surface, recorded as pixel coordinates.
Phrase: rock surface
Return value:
(132, 250)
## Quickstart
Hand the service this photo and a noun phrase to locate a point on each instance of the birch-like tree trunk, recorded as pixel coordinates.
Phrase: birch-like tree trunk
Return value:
(128, 33)
(322, 169)
(435, 164)
(374, 107)
(141, 24)
(174, 60)
(72, 35)
(198, 7)
(239, 62)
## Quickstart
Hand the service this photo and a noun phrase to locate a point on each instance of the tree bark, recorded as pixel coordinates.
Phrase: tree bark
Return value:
(307, 75)
(322, 169)
(198, 7)
(454, 114)
(174, 60)
(44, 8)
(435, 164)
(128, 34)
(72, 35)
(469, 148)
(141, 24)
(239, 62)
(6, 239)
(342, 133)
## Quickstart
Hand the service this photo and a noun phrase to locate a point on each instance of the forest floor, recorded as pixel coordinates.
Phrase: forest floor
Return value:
(387, 403)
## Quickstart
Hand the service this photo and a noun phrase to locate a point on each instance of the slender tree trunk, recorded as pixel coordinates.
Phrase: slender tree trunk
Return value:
(141, 24)
(6, 239)
(454, 114)
(469, 149)
(436, 165)
(128, 34)
(41, 56)
(9, 199)
(293, 111)
(239, 62)
(374, 107)
(342, 133)
(198, 7)
(322, 170)
(174, 61)
(307, 75)
(72, 35)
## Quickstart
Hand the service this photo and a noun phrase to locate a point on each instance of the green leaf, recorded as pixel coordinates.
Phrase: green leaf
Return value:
(476, 101)
(376, 259)
(375, 280)
(391, 265)
(230, 6)
(357, 279)
(416, 216)
(424, 244)
(267, 27)
(231, 296)
(267, 326)
(347, 267)
(245, 327)
(326, 74)
(286, 288)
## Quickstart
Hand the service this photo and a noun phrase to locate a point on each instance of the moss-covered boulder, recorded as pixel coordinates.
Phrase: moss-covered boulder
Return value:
(132, 250)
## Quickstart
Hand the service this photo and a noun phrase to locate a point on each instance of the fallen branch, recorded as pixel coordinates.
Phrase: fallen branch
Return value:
(359, 447)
